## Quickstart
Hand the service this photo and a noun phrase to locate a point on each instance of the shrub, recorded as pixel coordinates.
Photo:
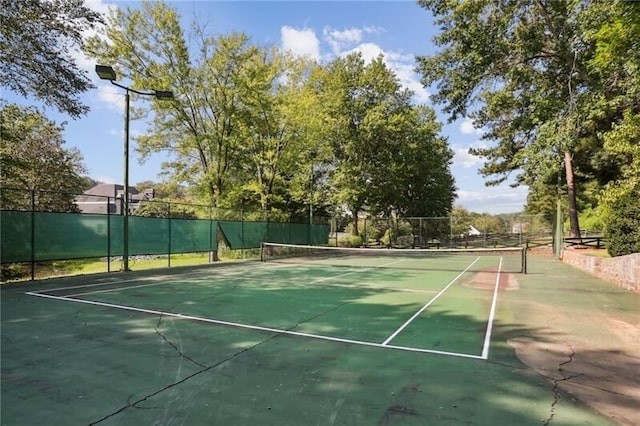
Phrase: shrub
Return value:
(14, 271)
(623, 227)
(399, 233)
(351, 241)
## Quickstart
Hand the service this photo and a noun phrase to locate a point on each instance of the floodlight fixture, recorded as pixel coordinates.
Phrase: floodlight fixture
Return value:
(105, 72)
(163, 94)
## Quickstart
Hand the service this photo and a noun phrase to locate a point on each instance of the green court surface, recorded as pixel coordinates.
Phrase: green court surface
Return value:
(383, 340)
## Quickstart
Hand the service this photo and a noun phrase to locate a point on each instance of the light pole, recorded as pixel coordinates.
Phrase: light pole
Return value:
(105, 72)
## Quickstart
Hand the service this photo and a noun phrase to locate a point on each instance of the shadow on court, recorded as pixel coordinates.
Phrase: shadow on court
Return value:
(73, 363)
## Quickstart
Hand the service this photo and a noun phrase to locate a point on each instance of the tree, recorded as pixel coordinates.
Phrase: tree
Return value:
(34, 159)
(614, 30)
(387, 155)
(230, 129)
(623, 227)
(412, 176)
(159, 209)
(522, 70)
(36, 37)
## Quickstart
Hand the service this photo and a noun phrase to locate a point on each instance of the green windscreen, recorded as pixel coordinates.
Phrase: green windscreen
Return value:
(15, 233)
(42, 236)
(189, 236)
(70, 236)
(148, 235)
(239, 235)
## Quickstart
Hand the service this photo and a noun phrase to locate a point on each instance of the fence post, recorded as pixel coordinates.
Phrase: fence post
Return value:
(242, 228)
(210, 234)
(109, 234)
(169, 234)
(33, 235)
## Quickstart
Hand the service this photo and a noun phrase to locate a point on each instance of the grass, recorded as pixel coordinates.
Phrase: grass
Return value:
(22, 271)
(596, 252)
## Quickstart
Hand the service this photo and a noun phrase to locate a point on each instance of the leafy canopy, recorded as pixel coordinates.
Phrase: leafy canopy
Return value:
(36, 40)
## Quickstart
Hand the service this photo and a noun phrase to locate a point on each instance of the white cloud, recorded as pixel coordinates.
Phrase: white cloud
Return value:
(468, 128)
(341, 40)
(300, 42)
(462, 158)
(495, 199)
(369, 51)
(110, 96)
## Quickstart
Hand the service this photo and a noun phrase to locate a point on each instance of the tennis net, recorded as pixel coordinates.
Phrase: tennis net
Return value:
(507, 259)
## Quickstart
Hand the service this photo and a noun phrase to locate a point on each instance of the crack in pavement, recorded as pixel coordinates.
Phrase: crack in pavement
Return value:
(556, 383)
(175, 347)
(179, 382)
(204, 369)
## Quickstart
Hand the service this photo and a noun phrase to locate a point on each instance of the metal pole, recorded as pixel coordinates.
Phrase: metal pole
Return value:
(109, 233)
(310, 234)
(33, 235)
(125, 225)
(169, 235)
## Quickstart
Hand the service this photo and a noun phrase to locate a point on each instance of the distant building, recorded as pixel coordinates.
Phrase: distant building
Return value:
(107, 198)
(473, 231)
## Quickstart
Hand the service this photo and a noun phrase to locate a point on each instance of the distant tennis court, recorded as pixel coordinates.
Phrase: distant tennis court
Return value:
(308, 335)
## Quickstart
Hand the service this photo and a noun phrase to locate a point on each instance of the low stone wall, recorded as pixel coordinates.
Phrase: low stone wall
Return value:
(622, 270)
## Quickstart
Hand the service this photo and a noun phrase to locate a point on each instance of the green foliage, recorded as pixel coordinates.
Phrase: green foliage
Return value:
(387, 154)
(546, 80)
(244, 121)
(33, 158)
(592, 220)
(350, 241)
(396, 231)
(623, 226)
(255, 129)
(37, 37)
(164, 210)
(623, 140)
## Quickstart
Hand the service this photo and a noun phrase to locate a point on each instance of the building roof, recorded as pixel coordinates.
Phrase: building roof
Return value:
(109, 190)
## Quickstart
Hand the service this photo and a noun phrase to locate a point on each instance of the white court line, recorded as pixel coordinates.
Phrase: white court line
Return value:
(492, 313)
(255, 327)
(402, 327)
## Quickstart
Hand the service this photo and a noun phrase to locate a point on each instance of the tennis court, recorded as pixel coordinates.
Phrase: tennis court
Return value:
(307, 336)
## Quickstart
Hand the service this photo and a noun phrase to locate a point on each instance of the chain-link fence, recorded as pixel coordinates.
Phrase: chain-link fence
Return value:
(38, 228)
(452, 231)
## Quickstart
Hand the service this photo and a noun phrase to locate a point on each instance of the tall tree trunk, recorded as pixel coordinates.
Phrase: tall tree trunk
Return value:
(571, 191)
(354, 219)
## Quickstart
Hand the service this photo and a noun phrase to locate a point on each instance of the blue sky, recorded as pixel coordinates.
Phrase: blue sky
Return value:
(399, 30)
